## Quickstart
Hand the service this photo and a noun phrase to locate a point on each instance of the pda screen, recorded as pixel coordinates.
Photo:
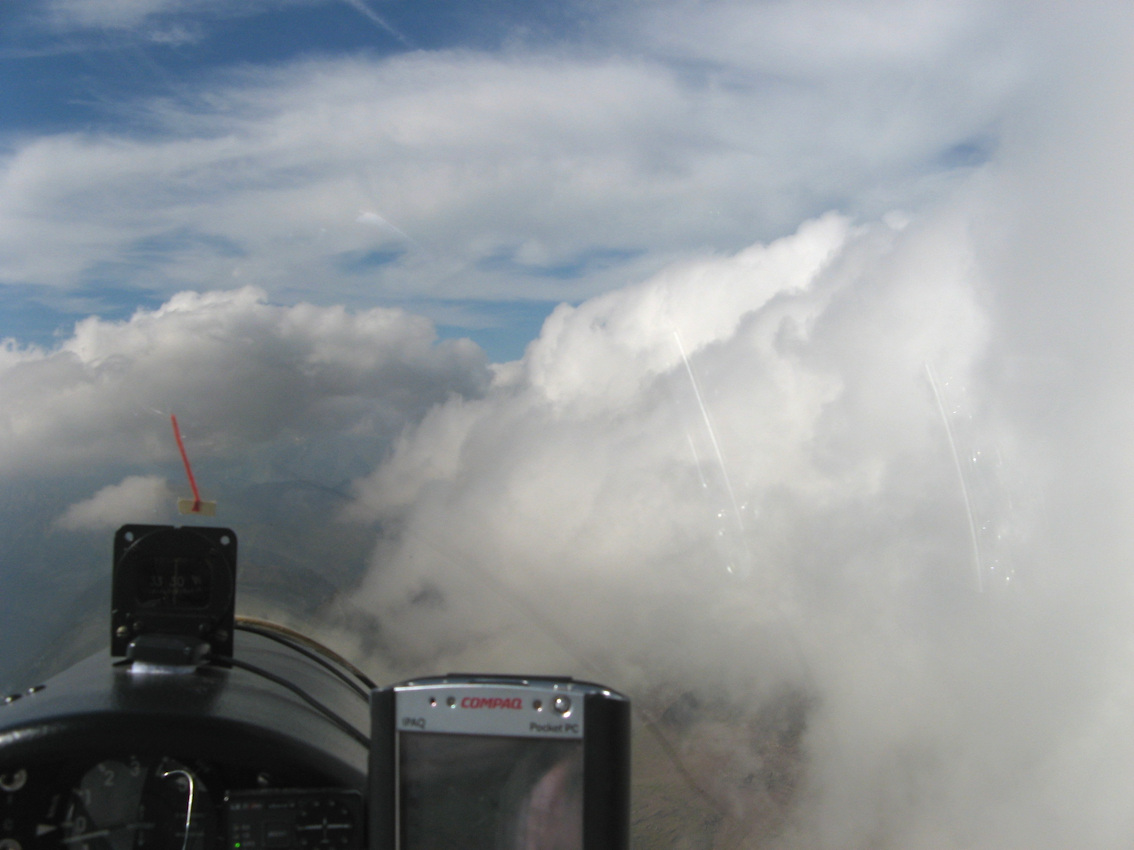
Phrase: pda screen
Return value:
(490, 793)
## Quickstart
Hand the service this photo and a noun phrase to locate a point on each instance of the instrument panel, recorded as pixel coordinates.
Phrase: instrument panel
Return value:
(182, 735)
(130, 801)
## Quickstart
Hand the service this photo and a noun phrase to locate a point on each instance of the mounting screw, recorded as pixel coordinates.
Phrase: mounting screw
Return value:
(12, 782)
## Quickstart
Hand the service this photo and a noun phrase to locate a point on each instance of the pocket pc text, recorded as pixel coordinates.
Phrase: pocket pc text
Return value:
(499, 763)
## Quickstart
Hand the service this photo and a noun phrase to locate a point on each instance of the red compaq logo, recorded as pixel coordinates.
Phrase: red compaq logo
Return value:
(491, 702)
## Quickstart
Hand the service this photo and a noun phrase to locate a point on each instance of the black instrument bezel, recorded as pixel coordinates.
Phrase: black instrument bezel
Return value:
(137, 549)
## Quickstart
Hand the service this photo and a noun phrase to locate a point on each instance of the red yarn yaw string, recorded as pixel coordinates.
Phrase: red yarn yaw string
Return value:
(188, 468)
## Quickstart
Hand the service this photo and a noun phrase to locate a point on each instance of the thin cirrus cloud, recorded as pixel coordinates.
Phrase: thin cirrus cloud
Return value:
(536, 174)
(130, 15)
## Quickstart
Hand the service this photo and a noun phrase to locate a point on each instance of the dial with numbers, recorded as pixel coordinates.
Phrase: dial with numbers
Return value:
(123, 804)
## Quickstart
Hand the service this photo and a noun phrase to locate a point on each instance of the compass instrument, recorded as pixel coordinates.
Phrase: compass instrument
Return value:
(173, 582)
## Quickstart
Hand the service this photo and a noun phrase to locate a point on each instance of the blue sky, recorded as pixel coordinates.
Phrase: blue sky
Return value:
(477, 163)
(61, 74)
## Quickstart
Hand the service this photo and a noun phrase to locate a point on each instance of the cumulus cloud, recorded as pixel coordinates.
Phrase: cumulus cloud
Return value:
(733, 499)
(803, 530)
(137, 498)
(244, 376)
